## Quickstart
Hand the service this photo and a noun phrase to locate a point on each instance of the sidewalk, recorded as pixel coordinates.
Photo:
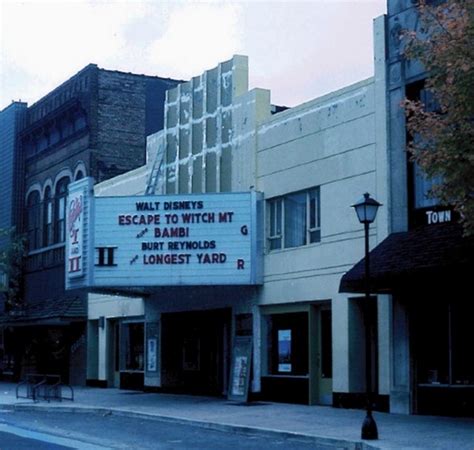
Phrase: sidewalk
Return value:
(326, 425)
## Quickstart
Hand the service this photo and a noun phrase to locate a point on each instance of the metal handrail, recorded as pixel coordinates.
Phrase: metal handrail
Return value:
(36, 388)
(44, 386)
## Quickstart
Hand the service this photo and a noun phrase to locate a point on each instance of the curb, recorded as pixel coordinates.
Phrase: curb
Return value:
(341, 444)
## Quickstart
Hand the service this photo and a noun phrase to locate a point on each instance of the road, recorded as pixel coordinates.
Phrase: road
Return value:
(13, 438)
(60, 431)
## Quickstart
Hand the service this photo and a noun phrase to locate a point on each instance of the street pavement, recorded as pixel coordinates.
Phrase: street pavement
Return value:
(24, 438)
(325, 425)
(112, 432)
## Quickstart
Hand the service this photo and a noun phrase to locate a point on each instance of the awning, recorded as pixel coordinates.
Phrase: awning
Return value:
(436, 253)
(46, 312)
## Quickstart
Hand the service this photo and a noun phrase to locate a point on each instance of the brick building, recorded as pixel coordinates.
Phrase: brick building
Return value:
(94, 124)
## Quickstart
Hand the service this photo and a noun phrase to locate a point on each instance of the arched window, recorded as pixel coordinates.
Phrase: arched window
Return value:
(79, 121)
(54, 135)
(29, 146)
(79, 175)
(42, 142)
(47, 218)
(33, 220)
(66, 128)
(60, 210)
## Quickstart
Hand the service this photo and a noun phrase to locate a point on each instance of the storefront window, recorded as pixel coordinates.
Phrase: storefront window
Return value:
(462, 339)
(288, 344)
(432, 340)
(443, 350)
(132, 337)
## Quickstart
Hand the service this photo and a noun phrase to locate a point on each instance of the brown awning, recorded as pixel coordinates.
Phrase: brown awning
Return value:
(48, 311)
(436, 253)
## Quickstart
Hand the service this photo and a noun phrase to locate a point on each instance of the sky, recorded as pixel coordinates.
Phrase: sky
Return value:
(298, 50)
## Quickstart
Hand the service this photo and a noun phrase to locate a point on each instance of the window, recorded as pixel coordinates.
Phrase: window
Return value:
(275, 208)
(67, 128)
(79, 121)
(422, 188)
(133, 340)
(43, 142)
(60, 210)
(54, 135)
(442, 343)
(294, 219)
(422, 183)
(30, 147)
(288, 344)
(33, 220)
(47, 218)
(419, 184)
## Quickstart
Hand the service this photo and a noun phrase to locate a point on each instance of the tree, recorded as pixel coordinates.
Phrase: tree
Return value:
(12, 255)
(443, 140)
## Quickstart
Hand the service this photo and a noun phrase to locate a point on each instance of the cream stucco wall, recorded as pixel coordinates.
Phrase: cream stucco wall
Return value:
(339, 143)
(328, 143)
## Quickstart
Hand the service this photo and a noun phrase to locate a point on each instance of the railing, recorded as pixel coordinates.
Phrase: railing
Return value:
(45, 257)
(44, 387)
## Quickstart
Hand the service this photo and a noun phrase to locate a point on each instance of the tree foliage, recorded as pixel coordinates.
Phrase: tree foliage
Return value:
(12, 256)
(444, 139)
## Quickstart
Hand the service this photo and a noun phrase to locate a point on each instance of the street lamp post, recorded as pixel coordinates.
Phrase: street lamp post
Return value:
(366, 210)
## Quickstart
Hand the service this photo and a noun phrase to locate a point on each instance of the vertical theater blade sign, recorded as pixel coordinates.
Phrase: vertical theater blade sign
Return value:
(75, 223)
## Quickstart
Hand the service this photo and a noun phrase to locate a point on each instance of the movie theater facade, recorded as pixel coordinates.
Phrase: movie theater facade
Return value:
(217, 264)
(232, 261)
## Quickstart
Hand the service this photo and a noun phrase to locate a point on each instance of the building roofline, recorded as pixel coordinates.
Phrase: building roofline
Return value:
(14, 103)
(321, 101)
(93, 66)
(57, 88)
(142, 75)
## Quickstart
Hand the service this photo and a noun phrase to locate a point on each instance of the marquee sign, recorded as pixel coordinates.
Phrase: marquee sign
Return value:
(78, 243)
(195, 239)
(75, 220)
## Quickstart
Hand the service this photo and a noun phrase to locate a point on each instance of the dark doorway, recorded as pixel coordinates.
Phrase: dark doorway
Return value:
(196, 351)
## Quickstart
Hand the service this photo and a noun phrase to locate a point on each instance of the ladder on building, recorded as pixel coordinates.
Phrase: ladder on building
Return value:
(155, 178)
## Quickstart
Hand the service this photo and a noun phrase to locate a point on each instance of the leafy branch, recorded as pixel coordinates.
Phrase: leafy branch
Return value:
(444, 137)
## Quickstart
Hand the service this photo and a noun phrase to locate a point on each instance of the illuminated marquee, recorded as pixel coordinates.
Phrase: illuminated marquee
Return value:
(196, 239)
